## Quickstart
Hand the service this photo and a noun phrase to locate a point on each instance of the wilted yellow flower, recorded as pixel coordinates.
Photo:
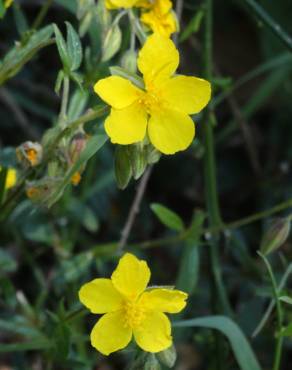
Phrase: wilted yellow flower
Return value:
(11, 178)
(7, 3)
(129, 309)
(29, 153)
(162, 109)
(76, 178)
(160, 18)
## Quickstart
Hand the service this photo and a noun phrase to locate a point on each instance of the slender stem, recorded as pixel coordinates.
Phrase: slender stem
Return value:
(210, 164)
(270, 22)
(41, 15)
(134, 210)
(279, 338)
(64, 103)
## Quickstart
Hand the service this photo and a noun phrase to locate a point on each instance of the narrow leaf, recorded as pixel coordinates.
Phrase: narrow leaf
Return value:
(167, 217)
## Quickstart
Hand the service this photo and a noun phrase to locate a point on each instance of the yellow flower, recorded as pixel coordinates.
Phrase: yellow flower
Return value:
(11, 178)
(162, 109)
(7, 3)
(129, 309)
(161, 18)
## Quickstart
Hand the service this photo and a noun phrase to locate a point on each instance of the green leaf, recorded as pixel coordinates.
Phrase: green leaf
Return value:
(286, 299)
(112, 43)
(167, 217)
(7, 262)
(62, 48)
(193, 26)
(22, 53)
(33, 345)
(20, 19)
(286, 332)
(123, 168)
(93, 145)
(190, 261)
(241, 348)
(74, 48)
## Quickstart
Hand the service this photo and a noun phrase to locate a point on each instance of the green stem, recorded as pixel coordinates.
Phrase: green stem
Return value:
(279, 339)
(41, 15)
(267, 20)
(210, 164)
(64, 103)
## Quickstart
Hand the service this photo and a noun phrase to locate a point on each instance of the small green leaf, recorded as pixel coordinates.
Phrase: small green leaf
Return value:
(193, 26)
(286, 299)
(7, 262)
(286, 332)
(275, 236)
(123, 168)
(20, 19)
(74, 48)
(62, 48)
(59, 81)
(168, 217)
(112, 43)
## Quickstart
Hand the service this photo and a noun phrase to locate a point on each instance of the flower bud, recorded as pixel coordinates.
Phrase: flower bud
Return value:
(168, 356)
(129, 61)
(152, 363)
(76, 178)
(39, 191)
(275, 236)
(78, 143)
(123, 169)
(29, 154)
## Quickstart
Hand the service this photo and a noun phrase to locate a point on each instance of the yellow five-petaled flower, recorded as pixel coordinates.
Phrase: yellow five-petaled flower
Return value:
(161, 110)
(130, 309)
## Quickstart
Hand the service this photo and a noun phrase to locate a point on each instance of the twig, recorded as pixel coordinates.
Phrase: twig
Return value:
(134, 210)
(19, 115)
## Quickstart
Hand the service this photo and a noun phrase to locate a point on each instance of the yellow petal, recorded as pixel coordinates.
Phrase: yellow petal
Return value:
(115, 4)
(157, 60)
(110, 333)
(164, 24)
(154, 333)
(117, 91)
(100, 296)
(186, 94)
(126, 126)
(170, 131)
(11, 178)
(131, 276)
(164, 300)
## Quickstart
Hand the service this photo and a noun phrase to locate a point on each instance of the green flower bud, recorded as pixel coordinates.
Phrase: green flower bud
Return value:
(167, 357)
(275, 236)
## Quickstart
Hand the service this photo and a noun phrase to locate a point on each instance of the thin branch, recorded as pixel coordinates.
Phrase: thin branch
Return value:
(135, 207)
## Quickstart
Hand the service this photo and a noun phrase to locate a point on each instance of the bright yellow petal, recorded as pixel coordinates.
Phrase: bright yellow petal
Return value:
(117, 91)
(154, 334)
(186, 94)
(115, 4)
(11, 178)
(158, 59)
(126, 126)
(110, 333)
(100, 296)
(164, 25)
(131, 276)
(170, 131)
(164, 300)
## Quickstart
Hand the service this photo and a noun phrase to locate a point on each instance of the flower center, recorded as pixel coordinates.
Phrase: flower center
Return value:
(150, 101)
(133, 313)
